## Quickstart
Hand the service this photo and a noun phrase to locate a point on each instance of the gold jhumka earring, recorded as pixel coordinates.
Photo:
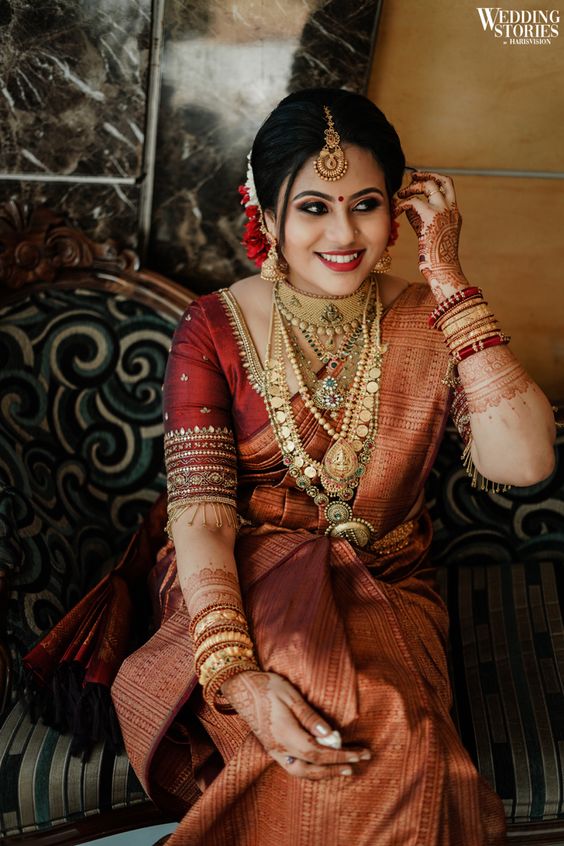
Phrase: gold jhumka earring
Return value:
(384, 263)
(270, 269)
(331, 163)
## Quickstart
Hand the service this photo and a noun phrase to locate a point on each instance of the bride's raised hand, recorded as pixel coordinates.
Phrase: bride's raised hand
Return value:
(429, 202)
(287, 726)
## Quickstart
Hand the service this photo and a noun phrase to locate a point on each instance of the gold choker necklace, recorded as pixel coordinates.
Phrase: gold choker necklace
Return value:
(314, 313)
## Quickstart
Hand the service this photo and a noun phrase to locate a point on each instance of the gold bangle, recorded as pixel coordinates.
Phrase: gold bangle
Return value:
(468, 337)
(221, 641)
(209, 675)
(244, 647)
(201, 616)
(228, 615)
(469, 319)
(461, 309)
(483, 325)
(218, 637)
(476, 343)
(223, 649)
(470, 327)
(221, 637)
(222, 655)
(471, 324)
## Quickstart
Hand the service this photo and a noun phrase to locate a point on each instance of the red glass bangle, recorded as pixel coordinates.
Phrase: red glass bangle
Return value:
(451, 301)
(478, 346)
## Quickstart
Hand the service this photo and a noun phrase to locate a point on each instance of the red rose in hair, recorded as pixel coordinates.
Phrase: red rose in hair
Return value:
(394, 232)
(254, 238)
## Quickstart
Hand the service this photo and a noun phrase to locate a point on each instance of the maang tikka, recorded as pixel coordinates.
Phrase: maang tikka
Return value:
(331, 163)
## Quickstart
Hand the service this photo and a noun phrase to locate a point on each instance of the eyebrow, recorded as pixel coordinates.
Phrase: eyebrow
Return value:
(329, 197)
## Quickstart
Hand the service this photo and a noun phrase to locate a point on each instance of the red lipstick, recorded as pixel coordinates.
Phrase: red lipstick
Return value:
(341, 266)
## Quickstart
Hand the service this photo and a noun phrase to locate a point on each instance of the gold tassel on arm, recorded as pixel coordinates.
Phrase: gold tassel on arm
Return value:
(191, 512)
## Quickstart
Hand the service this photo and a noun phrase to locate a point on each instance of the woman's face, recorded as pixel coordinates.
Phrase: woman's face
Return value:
(336, 231)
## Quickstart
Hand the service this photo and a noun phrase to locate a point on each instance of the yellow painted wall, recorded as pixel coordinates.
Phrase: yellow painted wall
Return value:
(461, 98)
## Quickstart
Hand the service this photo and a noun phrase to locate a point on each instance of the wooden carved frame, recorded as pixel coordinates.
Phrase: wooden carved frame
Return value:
(36, 244)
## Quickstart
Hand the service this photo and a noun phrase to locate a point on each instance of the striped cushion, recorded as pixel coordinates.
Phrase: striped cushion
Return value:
(507, 667)
(42, 785)
(501, 560)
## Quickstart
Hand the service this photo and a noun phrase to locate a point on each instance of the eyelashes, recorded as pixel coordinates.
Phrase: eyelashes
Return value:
(318, 208)
(369, 204)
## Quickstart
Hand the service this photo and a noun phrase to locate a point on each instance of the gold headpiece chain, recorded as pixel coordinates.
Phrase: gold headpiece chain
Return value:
(331, 163)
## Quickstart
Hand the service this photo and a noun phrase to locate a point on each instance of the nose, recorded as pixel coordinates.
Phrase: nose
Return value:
(341, 230)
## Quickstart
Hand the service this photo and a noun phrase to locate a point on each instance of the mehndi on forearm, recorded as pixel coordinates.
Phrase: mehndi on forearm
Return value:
(210, 585)
(494, 396)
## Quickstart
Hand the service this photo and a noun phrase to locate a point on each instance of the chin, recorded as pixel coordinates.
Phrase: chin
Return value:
(319, 279)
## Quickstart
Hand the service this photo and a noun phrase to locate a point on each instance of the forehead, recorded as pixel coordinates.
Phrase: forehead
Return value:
(363, 171)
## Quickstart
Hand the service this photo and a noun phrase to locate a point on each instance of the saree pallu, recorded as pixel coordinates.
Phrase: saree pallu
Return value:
(360, 633)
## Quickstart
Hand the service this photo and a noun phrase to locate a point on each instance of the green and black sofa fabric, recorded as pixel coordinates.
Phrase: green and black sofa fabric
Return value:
(83, 346)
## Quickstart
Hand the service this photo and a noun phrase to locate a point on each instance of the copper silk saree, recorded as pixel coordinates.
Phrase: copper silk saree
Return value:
(361, 633)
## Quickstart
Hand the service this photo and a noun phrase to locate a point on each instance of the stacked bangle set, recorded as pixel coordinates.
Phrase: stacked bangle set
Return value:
(223, 648)
(467, 324)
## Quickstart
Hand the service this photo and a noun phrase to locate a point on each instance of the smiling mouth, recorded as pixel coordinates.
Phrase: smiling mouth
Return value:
(342, 261)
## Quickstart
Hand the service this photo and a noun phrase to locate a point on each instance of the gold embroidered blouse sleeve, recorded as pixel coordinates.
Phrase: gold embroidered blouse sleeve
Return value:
(200, 453)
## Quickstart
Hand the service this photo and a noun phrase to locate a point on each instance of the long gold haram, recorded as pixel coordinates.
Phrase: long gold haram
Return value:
(345, 461)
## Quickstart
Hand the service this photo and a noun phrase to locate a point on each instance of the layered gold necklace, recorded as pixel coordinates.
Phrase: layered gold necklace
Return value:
(322, 322)
(330, 482)
(329, 391)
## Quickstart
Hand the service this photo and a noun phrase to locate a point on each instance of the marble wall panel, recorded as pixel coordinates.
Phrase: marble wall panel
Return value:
(73, 86)
(226, 64)
(101, 211)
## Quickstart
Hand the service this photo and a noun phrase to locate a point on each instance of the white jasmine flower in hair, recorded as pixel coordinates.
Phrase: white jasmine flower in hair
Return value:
(250, 183)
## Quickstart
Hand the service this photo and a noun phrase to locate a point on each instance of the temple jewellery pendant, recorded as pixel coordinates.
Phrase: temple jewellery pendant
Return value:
(328, 396)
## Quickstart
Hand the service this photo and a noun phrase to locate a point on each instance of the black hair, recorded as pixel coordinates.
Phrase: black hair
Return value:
(294, 132)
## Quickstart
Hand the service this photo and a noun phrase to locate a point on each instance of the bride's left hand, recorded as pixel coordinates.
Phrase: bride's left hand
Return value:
(430, 205)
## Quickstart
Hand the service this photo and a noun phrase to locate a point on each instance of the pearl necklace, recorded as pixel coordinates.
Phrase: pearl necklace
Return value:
(329, 391)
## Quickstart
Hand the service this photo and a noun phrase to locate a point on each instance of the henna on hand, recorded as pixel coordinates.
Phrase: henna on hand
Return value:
(492, 376)
(437, 225)
(211, 586)
(248, 694)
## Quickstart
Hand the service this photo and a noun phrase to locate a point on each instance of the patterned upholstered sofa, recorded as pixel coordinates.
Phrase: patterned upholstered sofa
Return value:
(84, 338)
(83, 344)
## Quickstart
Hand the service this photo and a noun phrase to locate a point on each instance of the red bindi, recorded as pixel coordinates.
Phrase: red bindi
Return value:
(341, 199)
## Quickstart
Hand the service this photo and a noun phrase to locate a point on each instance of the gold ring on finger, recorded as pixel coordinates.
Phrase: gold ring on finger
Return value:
(438, 191)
